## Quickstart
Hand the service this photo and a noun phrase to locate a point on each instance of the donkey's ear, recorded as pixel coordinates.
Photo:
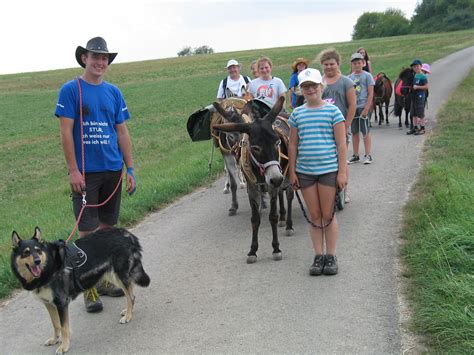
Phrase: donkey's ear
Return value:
(229, 93)
(276, 109)
(221, 110)
(247, 110)
(37, 235)
(15, 239)
(233, 127)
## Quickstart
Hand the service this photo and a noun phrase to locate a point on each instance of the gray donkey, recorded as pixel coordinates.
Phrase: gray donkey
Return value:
(259, 160)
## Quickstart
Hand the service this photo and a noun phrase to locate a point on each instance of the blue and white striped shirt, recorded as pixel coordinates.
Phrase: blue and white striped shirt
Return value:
(317, 152)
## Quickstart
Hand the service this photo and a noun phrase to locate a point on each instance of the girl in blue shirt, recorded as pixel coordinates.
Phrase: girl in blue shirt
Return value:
(317, 165)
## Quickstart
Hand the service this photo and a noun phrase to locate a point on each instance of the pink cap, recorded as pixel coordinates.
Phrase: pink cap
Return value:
(426, 68)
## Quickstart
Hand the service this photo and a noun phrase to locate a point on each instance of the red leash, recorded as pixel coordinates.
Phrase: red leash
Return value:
(84, 202)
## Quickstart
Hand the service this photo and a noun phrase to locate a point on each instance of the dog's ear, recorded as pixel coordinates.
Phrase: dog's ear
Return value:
(37, 235)
(15, 239)
(60, 246)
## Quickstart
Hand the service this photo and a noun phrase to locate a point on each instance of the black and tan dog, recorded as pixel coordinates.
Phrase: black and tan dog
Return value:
(58, 272)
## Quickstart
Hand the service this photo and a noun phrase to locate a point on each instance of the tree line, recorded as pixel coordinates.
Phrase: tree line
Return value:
(429, 16)
(187, 51)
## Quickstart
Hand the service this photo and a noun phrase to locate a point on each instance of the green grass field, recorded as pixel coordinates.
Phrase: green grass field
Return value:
(160, 94)
(439, 230)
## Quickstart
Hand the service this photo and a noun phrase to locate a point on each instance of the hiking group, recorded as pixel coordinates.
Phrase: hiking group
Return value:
(326, 111)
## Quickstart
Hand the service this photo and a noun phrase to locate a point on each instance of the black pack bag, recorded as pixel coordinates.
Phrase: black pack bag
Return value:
(260, 107)
(199, 124)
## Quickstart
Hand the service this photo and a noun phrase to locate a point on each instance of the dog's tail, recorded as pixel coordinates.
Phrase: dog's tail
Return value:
(139, 276)
(137, 273)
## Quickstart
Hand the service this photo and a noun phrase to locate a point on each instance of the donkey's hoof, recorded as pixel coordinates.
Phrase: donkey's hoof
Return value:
(226, 190)
(277, 256)
(232, 211)
(251, 259)
(282, 224)
(290, 232)
(243, 185)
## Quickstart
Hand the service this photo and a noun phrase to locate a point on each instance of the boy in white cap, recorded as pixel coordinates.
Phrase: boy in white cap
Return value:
(317, 165)
(235, 84)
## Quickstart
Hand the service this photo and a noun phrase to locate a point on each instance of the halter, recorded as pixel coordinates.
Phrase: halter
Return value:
(263, 166)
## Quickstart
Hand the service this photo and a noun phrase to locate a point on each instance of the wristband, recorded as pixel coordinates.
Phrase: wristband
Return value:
(131, 172)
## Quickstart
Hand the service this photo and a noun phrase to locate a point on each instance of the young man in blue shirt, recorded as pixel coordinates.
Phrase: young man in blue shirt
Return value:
(106, 142)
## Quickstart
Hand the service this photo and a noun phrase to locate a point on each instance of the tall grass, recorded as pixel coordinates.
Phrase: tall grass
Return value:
(161, 94)
(439, 230)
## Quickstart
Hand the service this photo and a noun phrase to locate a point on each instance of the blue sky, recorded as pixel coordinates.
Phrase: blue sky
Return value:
(43, 35)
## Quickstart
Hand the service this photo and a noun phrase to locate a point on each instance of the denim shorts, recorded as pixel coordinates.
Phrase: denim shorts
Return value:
(328, 179)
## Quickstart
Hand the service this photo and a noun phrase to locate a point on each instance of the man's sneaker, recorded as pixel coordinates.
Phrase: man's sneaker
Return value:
(92, 301)
(318, 266)
(412, 131)
(368, 159)
(353, 159)
(330, 265)
(106, 288)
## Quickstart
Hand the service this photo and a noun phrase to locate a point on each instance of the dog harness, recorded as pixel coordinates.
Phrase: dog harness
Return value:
(75, 257)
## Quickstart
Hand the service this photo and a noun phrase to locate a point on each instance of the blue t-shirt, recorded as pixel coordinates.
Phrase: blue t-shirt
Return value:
(103, 107)
(293, 84)
(317, 150)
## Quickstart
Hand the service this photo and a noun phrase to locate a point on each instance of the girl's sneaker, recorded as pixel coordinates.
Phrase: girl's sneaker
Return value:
(420, 131)
(318, 265)
(353, 159)
(367, 159)
(330, 265)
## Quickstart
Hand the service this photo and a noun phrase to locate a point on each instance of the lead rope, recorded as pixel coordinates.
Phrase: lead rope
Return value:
(84, 201)
(307, 218)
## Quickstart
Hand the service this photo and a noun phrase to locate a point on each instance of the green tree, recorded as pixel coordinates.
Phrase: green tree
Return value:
(392, 22)
(185, 52)
(443, 15)
(203, 50)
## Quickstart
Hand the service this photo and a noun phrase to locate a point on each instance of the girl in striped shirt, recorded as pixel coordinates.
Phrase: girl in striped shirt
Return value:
(317, 159)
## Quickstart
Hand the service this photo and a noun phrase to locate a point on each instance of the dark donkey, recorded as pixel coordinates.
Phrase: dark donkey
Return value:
(403, 95)
(260, 148)
(382, 94)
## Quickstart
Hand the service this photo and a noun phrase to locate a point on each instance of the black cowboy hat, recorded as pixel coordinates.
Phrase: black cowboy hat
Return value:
(95, 45)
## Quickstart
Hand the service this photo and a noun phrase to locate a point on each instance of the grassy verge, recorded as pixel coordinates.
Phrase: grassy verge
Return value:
(439, 230)
(161, 94)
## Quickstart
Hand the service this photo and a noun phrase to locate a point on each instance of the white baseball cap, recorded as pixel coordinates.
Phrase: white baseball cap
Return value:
(311, 75)
(356, 56)
(231, 63)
